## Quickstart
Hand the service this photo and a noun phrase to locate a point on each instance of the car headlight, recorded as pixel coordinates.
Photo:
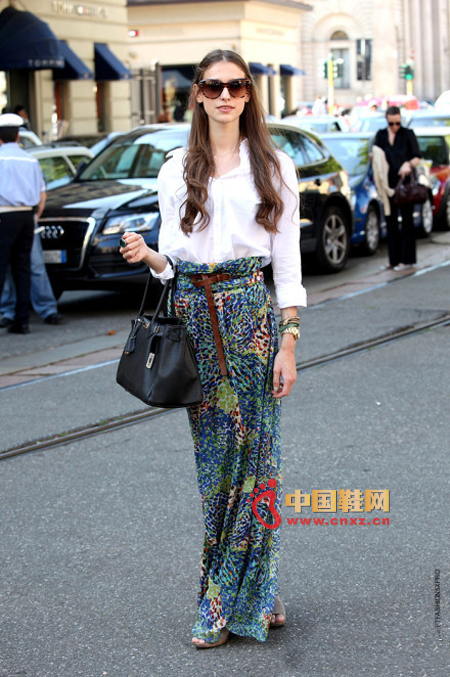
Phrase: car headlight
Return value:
(137, 223)
(353, 199)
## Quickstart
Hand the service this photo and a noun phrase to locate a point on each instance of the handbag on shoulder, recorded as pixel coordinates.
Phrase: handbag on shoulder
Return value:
(411, 192)
(158, 364)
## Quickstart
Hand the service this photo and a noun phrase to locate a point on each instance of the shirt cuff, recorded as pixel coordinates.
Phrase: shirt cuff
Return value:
(166, 274)
(291, 296)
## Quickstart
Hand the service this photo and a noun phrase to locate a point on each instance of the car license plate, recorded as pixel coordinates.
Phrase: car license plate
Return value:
(55, 256)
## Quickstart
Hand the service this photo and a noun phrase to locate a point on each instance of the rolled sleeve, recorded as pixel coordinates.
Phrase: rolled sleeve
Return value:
(166, 274)
(286, 260)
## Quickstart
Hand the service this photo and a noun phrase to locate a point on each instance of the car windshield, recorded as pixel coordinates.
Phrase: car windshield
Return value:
(433, 148)
(353, 153)
(429, 121)
(320, 127)
(371, 123)
(135, 157)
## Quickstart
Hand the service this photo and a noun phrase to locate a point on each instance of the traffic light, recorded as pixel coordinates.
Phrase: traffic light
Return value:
(338, 68)
(325, 69)
(409, 72)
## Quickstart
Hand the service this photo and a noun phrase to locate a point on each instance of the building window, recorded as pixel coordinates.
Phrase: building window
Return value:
(342, 57)
(339, 35)
(176, 87)
(364, 59)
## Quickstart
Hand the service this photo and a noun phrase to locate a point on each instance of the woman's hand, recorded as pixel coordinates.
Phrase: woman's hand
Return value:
(284, 370)
(135, 250)
(405, 169)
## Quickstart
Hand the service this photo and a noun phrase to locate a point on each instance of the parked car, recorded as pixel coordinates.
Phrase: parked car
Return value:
(86, 140)
(28, 139)
(429, 117)
(434, 143)
(318, 123)
(370, 123)
(352, 150)
(116, 192)
(59, 164)
(102, 143)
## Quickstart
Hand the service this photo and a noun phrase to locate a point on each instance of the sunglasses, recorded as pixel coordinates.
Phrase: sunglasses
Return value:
(212, 89)
(394, 124)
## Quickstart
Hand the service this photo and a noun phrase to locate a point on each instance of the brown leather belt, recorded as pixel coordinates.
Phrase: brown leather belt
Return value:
(206, 280)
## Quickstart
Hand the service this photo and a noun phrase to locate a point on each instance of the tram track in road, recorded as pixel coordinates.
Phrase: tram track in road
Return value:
(145, 415)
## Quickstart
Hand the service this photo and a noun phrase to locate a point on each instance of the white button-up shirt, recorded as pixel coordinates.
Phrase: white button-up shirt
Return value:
(21, 179)
(233, 232)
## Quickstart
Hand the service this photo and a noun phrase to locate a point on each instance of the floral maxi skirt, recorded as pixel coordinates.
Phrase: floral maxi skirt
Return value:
(236, 434)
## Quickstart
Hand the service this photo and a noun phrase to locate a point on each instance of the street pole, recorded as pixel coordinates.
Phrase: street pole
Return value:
(330, 82)
(363, 55)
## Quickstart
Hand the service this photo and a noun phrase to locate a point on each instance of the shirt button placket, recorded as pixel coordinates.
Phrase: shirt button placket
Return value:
(217, 223)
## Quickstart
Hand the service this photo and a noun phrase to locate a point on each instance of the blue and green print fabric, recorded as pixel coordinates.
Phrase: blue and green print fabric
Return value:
(236, 434)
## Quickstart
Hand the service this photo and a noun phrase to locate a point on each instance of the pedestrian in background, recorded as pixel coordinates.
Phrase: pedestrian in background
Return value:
(22, 193)
(229, 205)
(42, 297)
(20, 110)
(319, 106)
(402, 154)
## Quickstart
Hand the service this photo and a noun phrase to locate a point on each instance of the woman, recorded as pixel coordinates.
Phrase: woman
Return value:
(229, 204)
(402, 154)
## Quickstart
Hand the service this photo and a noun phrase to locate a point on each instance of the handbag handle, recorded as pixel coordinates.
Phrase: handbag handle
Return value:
(412, 177)
(169, 286)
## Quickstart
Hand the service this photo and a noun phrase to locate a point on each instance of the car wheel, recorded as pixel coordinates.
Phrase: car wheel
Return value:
(372, 234)
(426, 225)
(333, 242)
(446, 219)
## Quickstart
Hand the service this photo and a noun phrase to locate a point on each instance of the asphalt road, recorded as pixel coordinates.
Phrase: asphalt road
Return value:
(100, 540)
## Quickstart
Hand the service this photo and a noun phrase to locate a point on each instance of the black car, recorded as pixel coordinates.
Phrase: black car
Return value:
(116, 192)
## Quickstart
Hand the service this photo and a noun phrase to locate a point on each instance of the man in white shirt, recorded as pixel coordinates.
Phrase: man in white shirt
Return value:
(22, 192)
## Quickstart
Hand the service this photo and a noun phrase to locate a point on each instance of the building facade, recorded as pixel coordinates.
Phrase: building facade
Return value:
(176, 36)
(90, 91)
(373, 38)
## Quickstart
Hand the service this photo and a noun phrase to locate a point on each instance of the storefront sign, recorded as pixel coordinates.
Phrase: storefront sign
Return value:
(62, 7)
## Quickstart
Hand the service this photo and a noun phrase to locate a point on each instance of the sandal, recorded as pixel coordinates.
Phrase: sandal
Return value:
(204, 644)
(278, 610)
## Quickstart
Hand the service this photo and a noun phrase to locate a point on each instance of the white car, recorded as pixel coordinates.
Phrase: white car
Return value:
(59, 164)
(28, 139)
(319, 124)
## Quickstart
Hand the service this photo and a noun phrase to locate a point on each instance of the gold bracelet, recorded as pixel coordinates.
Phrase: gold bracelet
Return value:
(291, 330)
(289, 320)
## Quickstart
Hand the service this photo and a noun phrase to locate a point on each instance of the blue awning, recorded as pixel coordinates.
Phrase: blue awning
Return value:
(108, 66)
(260, 69)
(285, 69)
(74, 68)
(27, 42)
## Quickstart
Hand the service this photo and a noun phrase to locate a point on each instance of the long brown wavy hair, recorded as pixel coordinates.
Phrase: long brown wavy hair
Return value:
(199, 162)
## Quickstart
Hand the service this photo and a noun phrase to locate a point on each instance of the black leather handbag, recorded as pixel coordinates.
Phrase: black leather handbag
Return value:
(158, 364)
(411, 192)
